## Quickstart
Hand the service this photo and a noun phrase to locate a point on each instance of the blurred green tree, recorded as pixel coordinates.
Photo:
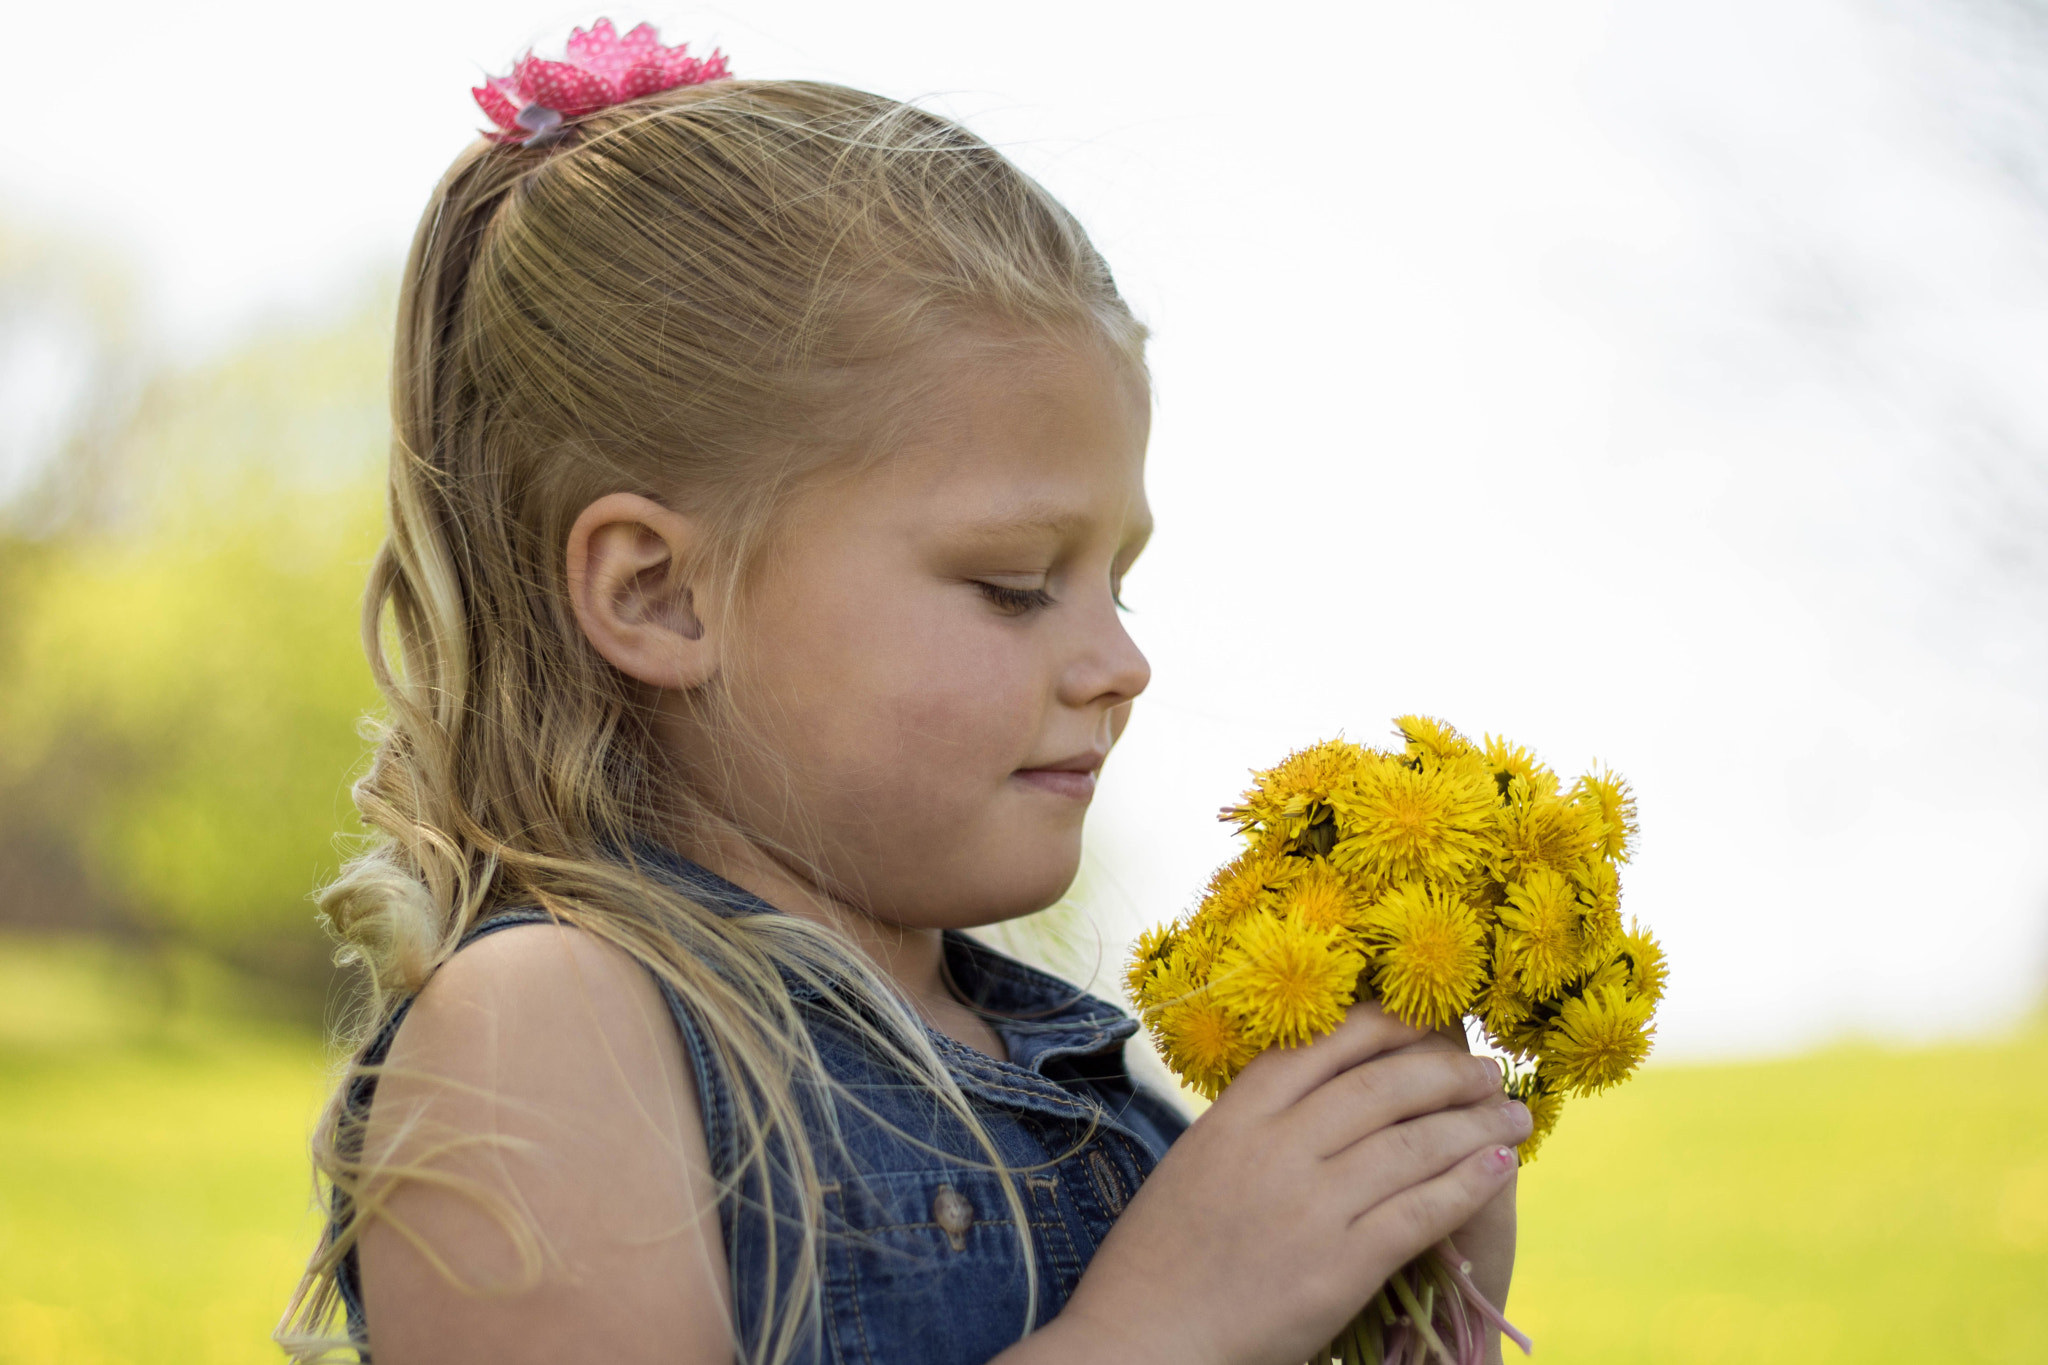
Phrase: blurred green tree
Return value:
(181, 679)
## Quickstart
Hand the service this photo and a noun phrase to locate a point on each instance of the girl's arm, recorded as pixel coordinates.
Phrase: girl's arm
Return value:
(563, 1207)
(1318, 1173)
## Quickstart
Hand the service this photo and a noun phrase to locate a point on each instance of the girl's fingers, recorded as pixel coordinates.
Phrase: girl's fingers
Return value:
(1387, 1090)
(1280, 1076)
(1396, 1159)
(1424, 1214)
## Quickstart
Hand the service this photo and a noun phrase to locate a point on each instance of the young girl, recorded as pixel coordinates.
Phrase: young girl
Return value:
(769, 459)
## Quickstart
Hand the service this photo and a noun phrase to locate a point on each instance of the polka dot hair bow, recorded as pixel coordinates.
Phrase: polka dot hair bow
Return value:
(531, 104)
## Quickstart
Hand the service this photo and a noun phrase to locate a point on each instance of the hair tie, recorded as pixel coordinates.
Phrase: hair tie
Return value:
(533, 104)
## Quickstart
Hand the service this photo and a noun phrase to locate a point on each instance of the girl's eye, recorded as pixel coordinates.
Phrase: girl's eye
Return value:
(1015, 601)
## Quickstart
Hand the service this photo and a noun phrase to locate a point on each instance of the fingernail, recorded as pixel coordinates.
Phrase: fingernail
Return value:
(1503, 1158)
(1518, 1114)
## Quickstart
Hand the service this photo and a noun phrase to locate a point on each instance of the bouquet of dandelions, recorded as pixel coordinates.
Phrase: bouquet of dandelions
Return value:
(1448, 880)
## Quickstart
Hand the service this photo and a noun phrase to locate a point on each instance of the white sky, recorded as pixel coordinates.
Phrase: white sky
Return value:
(1655, 383)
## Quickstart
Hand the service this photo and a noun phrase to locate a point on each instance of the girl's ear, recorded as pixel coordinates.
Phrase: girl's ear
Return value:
(631, 595)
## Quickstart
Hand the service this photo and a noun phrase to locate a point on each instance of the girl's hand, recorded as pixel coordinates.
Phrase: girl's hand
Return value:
(1487, 1239)
(1318, 1173)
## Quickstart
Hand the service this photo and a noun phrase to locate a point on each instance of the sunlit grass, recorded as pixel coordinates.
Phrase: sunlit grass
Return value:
(154, 1196)
(1851, 1205)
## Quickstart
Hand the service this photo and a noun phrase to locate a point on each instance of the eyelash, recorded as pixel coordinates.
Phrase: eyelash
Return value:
(1017, 601)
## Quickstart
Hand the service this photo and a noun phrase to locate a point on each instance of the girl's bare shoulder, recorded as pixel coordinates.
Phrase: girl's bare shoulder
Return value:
(529, 1001)
(536, 1132)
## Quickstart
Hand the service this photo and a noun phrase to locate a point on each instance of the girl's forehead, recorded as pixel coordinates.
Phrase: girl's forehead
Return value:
(1045, 451)
(1047, 441)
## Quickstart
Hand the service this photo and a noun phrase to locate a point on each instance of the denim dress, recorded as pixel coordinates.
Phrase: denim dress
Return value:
(921, 1261)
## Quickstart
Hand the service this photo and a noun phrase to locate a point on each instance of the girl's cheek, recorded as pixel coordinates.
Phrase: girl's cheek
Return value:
(921, 699)
(900, 713)
(973, 724)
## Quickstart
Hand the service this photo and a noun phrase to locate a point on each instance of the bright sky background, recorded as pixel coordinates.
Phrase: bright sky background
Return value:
(1661, 384)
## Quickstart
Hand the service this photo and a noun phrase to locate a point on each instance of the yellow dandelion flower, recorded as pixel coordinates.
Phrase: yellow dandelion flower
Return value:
(1541, 936)
(1450, 878)
(1430, 957)
(1430, 738)
(1599, 887)
(1504, 1010)
(1397, 822)
(1522, 1037)
(1611, 796)
(1178, 975)
(1608, 972)
(1194, 952)
(1283, 796)
(1598, 1039)
(1545, 1108)
(1509, 761)
(1601, 931)
(1268, 843)
(1245, 885)
(1535, 831)
(1322, 897)
(1644, 957)
(1599, 884)
(1148, 955)
(1289, 980)
(1204, 1043)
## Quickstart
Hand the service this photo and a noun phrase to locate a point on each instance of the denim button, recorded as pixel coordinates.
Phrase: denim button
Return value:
(1108, 1184)
(952, 1211)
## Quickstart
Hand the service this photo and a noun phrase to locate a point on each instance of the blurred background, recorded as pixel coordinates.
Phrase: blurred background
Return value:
(1662, 385)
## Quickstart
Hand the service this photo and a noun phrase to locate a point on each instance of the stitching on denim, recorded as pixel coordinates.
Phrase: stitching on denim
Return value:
(852, 1294)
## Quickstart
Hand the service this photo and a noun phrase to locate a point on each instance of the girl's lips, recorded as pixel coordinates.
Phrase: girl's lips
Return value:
(1077, 786)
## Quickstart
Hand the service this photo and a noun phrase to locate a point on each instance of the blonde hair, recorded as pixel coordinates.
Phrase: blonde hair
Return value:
(706, 297)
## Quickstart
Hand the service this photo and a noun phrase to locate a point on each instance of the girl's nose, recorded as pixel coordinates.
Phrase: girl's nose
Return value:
(1109, 668)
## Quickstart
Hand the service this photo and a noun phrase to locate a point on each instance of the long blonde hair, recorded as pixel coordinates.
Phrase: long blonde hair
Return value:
(705, 297)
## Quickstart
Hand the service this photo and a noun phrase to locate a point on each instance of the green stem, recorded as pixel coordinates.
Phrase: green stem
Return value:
(1372, 1343)
(1420, 1317)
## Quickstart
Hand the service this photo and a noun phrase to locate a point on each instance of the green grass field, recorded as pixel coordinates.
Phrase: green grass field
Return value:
(155, 1197)
(1850, 1205)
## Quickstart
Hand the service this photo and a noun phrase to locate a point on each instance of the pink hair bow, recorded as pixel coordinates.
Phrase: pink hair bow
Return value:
(530, 105)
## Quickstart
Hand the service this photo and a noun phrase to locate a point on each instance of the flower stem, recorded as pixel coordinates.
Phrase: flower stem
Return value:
(1455, 1265)
(1419, 1316)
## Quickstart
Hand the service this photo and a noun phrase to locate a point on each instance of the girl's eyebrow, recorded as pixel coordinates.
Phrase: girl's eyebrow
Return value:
(1054, 520)
(1051, 520)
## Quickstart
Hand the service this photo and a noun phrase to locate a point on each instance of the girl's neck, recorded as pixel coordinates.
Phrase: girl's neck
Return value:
(912, 958)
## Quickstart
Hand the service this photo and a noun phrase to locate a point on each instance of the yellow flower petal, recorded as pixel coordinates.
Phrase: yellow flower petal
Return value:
(1323, 897)
(1617, 806)
(1148, 955)
(1284, 797)
(1598, 1039)
(1509, 761)
(1247, 884)
(1546, 1106)
(1429, 959)
(1542, 939)
(1507, 1014)
(1205, 1043)
(1537, 831)
(1397, 822)
(1289, 981)
(1432, 739)
(1645, 959)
